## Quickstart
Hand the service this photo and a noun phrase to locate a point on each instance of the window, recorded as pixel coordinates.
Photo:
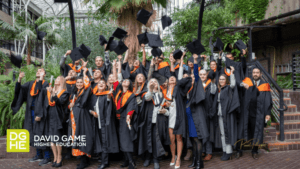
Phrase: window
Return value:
(5, 6)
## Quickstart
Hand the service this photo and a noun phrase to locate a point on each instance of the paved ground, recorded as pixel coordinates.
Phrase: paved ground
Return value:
(272, 160)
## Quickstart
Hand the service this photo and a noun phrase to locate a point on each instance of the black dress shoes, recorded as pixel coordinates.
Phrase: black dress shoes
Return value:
(255, 156)
(238, 155)
(146, 163)
(103, 166)
(125, 164)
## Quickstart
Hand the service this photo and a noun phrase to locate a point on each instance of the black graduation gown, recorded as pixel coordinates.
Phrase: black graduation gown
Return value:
(53, 115)
(126, 136)
(197, 105)
(229, 103)
(22, 94)
(165, 71)
(67, 68)
(179, 93)
(106, 140)
(210, 119)
(83, 121)
(263, 101)
(145, 129)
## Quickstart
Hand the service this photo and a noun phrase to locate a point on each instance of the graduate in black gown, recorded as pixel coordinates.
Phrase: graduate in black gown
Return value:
(70, 84)
(81, 121)
(162, 67)
(53, 103)
(100, 106)
(198, 131)
(153, 126)
(28, 93)
(103, 65)
(225, 103)
(126, 113)
(176, 102)
(256, 111)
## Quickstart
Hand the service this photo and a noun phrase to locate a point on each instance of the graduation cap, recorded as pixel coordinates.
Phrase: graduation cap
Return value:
(120, 48)
(228, 48)
(177, 54)
(196, 47)
(240, 45)
(218, 45)
(166, 21)
(85, 50)
(160, 78)
(16, 60)
(143, 39)
(120, 33)
(143, 16)
(156, 52)
(102, 40)
(211, 75)
(40, 34)
(154, 40)
(111, 44)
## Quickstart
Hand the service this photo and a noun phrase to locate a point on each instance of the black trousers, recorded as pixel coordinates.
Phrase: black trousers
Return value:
(154, 149)
(251, 130)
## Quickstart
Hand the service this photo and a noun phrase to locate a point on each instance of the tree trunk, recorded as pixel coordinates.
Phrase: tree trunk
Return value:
(127, 19)
(29, 53)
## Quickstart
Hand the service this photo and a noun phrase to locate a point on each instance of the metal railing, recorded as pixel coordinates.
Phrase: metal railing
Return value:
(276, 93)
(284, 68)
(296, 70)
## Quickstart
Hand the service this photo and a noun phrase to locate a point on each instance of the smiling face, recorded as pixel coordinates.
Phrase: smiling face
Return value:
(99, 61)
(126, 83)
(72, 73)
(97, 74)
(101, 85)
(57, 81)
(155, 83)
(40, 71)
(191, 64)
(111, 79)
(172, 80)
(256, 74)
(136, 63)
(140, 78)
(222, 80)
(79, 84)
(230, 56)
(213, 65)
(203, 75)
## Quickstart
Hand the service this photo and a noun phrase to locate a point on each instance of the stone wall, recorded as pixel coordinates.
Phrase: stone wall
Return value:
(5, 17)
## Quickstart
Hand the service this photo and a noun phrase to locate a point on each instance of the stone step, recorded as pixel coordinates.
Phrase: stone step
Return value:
(284, 145)
(291, 116)
(291, 107)
(286, 100)
(286, 93)
(270, 134)
(289, 135)
(288, 125)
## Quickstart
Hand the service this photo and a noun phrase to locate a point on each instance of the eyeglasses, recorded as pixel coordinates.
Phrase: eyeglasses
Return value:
(222, 79)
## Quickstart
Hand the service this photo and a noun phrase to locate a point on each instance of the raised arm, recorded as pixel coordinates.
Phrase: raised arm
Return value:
(115, 69)
(126, 57)
(232, 78)
(196, 72)
(172, 68)
(63, 59)
(151, 69)
(180, 73)
(144, 55)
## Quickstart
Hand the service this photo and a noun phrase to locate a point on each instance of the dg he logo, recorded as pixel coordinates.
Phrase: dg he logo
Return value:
(17, 140)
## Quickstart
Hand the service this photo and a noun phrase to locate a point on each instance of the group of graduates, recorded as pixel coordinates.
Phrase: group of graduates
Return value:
(146, 108)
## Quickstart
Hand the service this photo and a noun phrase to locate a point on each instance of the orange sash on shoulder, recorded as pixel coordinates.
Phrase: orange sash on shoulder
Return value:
(74, 68)
(162, 65)
(33, 87)
(264, 87)
(52, 103)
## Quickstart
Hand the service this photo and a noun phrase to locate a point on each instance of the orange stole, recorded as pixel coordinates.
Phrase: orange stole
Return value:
(49, 97)
(207, 83)
(264, 87)
(248, 81)
(74, 68)
(33, 87)
(125, 98)
(228, 74)
(136, 67)
(71, 82)
(102, 93)
(134, 89)
(162, 65)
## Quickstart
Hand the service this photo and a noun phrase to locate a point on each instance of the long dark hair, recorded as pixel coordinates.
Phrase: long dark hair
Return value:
(227, 81)
(75, 88)
(130, 87)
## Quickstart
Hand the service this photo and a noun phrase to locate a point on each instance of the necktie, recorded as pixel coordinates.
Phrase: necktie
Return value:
(256, 83)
